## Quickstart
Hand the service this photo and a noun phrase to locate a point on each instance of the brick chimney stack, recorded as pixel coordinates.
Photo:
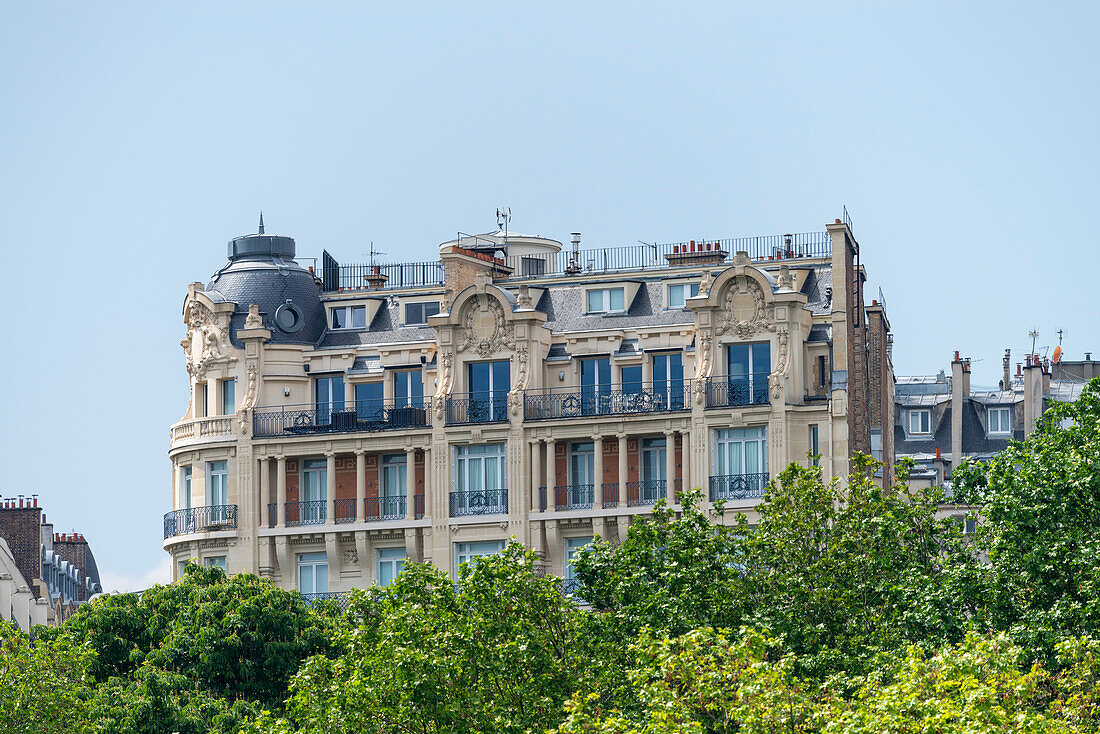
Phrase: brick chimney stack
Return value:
(960, 389)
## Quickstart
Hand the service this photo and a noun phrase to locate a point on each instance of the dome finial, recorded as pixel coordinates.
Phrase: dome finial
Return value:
(261, 222)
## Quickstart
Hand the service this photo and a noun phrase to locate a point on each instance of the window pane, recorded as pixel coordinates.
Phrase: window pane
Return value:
(431, 309)
(414, 313)
(501, 377)
(761, 358)
(228, 397)
(358, 317)
(368, 401)
(616, 299)
(675, 296)
(595, 301)
(339, 318)
(738, 360)
(694, 289)
(632, 378)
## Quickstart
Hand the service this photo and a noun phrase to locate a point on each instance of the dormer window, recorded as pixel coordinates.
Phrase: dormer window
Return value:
(349, 317)
(418, 313)
(679, 292)
(920, 422)
(1000, 420)
(606, 300)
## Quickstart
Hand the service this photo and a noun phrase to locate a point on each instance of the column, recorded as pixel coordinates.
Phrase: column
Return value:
(685, 454)
(597, 448)
(360, 484)
(551, 466)
(280, 489)
(622, 470)
(330, 488)
(410, 482)
(670, 466)
(265, 493)
(535, 475)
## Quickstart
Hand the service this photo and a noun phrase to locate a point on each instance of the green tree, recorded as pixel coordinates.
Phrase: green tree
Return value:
(44, 687)
(499, 651)
(1040, 502)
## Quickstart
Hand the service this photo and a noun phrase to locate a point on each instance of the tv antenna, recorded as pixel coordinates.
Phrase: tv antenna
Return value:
(1059, 337)
(374, 252)
(504, 218)
(1034, 335)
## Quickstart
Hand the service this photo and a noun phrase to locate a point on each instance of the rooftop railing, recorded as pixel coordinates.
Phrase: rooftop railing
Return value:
(337, 277)
(368, 416)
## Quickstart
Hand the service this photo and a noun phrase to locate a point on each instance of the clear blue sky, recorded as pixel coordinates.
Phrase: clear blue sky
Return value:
(135, 140)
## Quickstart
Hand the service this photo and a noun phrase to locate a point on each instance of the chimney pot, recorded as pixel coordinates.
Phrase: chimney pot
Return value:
(1019, 369)
(938, 452)
(1088, 356)
(836, 221)
(956, 355)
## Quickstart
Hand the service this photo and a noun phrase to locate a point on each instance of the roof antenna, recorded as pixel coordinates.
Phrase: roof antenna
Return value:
(261, 222)
(1034, 335)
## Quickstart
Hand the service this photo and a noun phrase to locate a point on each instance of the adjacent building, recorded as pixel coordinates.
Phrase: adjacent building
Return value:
(346, 418)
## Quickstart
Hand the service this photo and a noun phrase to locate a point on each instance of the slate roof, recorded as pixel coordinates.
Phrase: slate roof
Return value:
(814, 288)
(385, 329)
(269, 285)
(564, 308)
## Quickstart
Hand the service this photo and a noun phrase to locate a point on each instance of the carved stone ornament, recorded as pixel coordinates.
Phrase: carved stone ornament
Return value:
(523, 300)
(707, 282)
(351, 556)
(744, 311)
(522, 367)
(253, 320)
(484, 328)
(782, 365)
(249, 401)
(515, 402)
(706, 342)
(206, 342)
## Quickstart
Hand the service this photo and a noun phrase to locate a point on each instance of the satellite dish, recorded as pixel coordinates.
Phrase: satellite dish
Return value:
(1057, 354)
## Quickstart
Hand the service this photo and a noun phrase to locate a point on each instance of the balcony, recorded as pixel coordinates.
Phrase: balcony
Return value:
(477, 408)
(200, 520)
(384, 508)
(623, 399)
(479, 502)
(200, 429)
(722, 392)
(367, 416)
(340, 597)
(314, 512)
(645, 492)
(610, 494)
(737, 486)
(574, 496)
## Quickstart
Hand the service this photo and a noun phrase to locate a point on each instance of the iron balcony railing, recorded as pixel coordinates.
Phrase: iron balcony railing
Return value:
(384, 508)
(314, 512)
(200, 520)
(574, 496)
(670, 254)
(645, 492)
(737, 486)
(340, 597)
(724, 391)
(610, 494)
(479, 502)
(571, 587)
(477, 408)
(362, 416)
(620, 399)
(343, 510)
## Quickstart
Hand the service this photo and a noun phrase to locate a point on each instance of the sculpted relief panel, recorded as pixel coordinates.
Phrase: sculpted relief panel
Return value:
(484, 328)
(206, 342)
(744, 311)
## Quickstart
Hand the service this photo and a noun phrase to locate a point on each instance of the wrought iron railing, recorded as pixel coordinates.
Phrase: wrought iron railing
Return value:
(384, 508)
(645, 492)
(610, 494)
(479, 502)
(477, 408)
(343, 510)
(670, 254)
(200, 520)
(747, 390)
(737, 486)
(621, 399)
(574, 496)
(571, 587)
(340, 597)
(336, 277)
(314, 512)
(363, 416)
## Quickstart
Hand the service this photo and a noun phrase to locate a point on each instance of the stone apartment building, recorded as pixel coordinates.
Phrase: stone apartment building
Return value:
(43, 575)
(345, 418)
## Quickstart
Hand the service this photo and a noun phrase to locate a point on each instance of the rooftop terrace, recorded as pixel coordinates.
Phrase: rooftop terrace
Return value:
(635, 258)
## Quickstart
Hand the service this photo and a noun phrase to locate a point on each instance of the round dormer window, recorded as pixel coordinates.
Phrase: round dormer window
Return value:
(288, 317)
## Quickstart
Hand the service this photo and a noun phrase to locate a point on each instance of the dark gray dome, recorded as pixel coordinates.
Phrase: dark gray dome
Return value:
(270, 282)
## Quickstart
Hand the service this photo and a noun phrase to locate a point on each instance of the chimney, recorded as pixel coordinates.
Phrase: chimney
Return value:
(960, 382)
(1033, 393)
(376, 279)
(1007, 363)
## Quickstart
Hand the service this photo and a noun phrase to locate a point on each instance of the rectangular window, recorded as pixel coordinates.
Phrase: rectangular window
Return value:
(677, 294)
(821, 376)
(394, 475)
(185, 488)
(668, 380)
(217, 483)
(418, 313)
(229, 402)
(1000, 420)
(582, 458)
(205, 404)
(654, 460)
(748, 366)
(920, 421)
(605, 300)
(369, 404)
(468, 552)
(632, 379)
(572, 547)
(815, 451)
(349, 317)
(741, 451)
(408, 389)
(313, 573)
(329, 397)
(489, 385)
(595, 385)
(313, 491)
(876, 443)
(390, 563)
(215, 562)
(480, 479)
